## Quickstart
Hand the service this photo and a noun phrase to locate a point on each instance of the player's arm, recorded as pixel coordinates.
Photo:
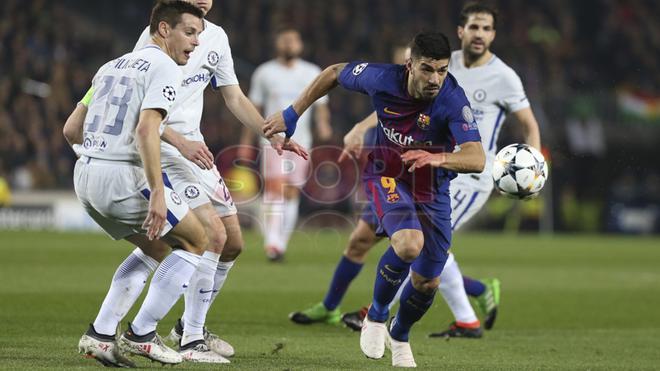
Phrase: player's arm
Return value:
(530, 126)
(248, 115)
(148, 142)
(470, 159)
(195, 151)
(354, 139)
(73, 127)
(285, 121)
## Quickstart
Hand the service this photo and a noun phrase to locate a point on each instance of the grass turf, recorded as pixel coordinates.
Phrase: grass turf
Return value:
(568, 302)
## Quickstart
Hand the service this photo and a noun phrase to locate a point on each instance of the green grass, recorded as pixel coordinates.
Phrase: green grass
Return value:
(568, 302)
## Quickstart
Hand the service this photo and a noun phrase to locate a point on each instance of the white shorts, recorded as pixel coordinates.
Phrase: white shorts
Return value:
(290, 167)
(467, 199)
(116, 195)
(198, 187)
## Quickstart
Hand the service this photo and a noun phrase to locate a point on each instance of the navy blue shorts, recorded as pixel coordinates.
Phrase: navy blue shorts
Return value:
(392, 208)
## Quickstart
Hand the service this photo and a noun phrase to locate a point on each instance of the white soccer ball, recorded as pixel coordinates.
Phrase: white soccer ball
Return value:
(519, 171)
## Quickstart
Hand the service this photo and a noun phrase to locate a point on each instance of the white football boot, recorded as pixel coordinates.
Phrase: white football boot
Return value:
(198, 351)
(150, 346)
(402, 355)
(372, 338)
(213, 341)
(103, 348)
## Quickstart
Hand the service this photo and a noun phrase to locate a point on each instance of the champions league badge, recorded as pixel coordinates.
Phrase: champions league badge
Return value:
(467, 114)
(169, 93)
(423, 121)
(191, 192)
(359, 68)
(213, 58)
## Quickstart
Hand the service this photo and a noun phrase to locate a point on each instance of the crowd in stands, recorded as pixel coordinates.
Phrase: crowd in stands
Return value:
(562, 49)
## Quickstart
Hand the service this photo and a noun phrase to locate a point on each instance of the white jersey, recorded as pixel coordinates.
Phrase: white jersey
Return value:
(144, 79)
(211, 62)
(275, 86)
(494, 90)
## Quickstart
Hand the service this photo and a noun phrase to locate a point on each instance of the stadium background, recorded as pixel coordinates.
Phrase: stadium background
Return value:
(589, 67)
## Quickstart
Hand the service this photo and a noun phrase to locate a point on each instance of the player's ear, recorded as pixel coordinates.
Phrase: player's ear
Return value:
(163, 29)
(409, 64)
(459, 32)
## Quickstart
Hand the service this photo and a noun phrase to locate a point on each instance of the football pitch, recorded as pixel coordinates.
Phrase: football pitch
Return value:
(568, 303)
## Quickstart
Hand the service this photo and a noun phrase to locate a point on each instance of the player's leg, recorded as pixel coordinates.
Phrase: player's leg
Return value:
(397, 215)
(201, 190)
(168, 284)
(230, 252)
(361, 240)
(274, 202)
(466, 201)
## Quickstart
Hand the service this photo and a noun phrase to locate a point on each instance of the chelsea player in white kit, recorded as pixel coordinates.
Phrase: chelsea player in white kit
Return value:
(199, 184)
(493, 90)
(118, 176)
(274, 85)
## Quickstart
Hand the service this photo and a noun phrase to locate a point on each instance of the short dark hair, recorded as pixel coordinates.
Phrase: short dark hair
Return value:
(433, 45)
(170, 11)
(476, 8)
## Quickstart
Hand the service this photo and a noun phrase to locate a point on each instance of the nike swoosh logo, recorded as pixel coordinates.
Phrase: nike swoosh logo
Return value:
(388, 111)
(387, 266)
(202, 291)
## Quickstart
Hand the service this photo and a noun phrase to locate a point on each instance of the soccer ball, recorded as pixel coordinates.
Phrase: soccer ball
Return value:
(519, 171)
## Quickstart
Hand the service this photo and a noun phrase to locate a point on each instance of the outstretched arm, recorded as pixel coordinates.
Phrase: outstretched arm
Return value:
(470, 159)
(284, 121)
(531, 130)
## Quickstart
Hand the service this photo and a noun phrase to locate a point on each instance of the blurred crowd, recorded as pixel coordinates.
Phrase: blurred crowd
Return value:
(571, 55)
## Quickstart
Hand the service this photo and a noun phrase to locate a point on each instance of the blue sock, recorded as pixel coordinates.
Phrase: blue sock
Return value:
(412, 307)
(473, 287)
(345, 272)
(389, 275)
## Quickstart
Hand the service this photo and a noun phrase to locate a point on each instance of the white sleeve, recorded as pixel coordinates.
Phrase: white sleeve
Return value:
(513, 94)
(144, 39)
(223, 72)
(257, 92)
(161, 84)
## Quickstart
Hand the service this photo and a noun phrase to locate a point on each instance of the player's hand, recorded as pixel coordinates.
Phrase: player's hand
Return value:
(353, 143)
(281, 144)
(274, 124)
(156, 216)
(198, 153)
(420, 158)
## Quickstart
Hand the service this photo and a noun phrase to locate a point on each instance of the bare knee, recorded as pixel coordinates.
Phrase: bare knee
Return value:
(408, 243)
(424, 284)
(234, 245)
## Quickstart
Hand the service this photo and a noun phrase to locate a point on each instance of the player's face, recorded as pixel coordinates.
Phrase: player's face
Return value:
(182, 39)
(204, 5)
(288, 45)
(477, 34)
(425, 77)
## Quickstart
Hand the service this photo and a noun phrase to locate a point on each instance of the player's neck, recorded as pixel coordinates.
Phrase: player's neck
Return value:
(470, 61)
(288, 63)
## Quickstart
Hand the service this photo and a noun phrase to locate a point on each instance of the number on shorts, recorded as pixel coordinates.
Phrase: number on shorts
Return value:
(121, 102)
(388, 183)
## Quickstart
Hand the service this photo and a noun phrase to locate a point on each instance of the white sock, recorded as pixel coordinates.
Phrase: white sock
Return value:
(290, 215)
(169, 282)
(452, 289)
(274, 224)
(198, 297)
(220, 277)
(127, 284)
